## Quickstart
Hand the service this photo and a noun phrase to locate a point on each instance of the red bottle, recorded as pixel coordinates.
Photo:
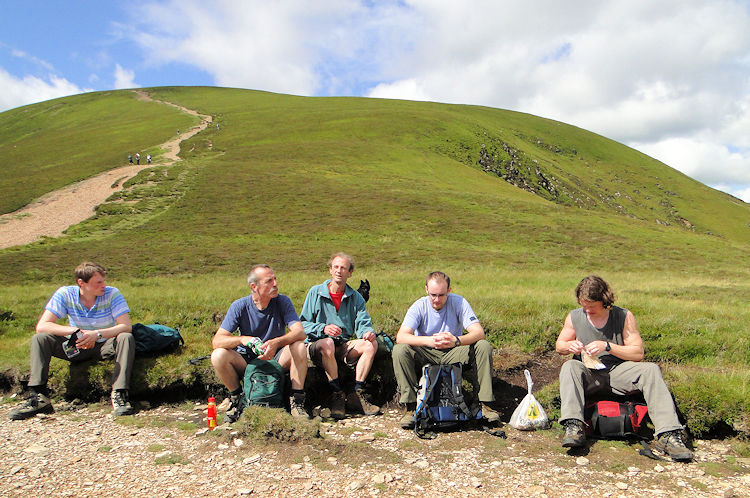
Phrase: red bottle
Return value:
(211, 413)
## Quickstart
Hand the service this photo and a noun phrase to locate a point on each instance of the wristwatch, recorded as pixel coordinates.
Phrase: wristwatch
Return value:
(608, 347)
(99, 335)
(457, 343)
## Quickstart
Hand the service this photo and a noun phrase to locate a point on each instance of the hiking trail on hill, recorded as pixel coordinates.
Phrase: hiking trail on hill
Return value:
(55, 211)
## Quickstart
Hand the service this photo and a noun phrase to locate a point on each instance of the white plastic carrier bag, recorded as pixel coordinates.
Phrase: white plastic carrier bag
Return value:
(529, 415)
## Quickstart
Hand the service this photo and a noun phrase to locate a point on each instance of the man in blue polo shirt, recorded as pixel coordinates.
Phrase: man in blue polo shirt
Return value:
(99, 317)
(265, 314)
(432, 333)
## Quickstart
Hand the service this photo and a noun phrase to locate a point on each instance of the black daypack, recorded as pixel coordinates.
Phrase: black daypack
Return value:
(264, 383)
(155, 339)
(440, 402)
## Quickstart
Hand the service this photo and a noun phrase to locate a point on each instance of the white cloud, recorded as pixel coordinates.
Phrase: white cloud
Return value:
(29, 89)
(275, 46)
(124, 78)
(405, 89)
(742, 193)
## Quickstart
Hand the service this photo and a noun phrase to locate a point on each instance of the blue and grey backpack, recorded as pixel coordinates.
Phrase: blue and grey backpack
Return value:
(440, 401)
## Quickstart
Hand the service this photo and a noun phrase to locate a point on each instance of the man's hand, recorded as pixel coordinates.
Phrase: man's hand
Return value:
(269, 349)
(332, 330)
(87, 340)
(370, 336)
(443, 340)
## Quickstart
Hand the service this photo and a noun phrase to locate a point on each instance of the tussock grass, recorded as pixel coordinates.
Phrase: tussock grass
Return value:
(275, 424)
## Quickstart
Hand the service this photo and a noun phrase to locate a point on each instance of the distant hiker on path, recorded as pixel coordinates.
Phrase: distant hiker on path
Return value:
(432, 333)
(599, 328)
(130, 158)
(99, 317)
(264, 314)
(148, 159)
(333, 314)
(137, 158)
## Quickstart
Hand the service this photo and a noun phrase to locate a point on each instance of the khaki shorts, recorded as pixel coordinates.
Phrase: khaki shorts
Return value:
(342, 350)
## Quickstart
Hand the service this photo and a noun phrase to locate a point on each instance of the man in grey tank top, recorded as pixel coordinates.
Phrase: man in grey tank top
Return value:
(602, 331)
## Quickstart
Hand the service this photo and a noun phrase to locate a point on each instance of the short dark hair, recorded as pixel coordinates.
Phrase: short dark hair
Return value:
(593, 288)
(438, 276)
(87, 269)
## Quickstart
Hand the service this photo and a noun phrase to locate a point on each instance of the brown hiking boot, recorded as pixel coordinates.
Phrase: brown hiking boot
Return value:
(338, 402)
(574, 435)
(489, 414)
(356, 402)
(407, 421)
(671, 443)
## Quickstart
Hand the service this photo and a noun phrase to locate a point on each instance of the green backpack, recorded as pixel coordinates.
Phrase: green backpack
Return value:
(264, 383)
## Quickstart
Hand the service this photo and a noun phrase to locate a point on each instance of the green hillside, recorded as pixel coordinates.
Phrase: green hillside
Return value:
(518, 208)
(55, 143)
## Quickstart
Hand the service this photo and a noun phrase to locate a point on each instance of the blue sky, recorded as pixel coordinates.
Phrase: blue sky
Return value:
(670, 78)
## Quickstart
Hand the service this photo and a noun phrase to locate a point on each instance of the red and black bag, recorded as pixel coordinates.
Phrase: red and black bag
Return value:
(618, 420)
(612, 419)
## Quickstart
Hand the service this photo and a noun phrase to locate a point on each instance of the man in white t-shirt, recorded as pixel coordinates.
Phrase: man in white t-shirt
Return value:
(432, 333)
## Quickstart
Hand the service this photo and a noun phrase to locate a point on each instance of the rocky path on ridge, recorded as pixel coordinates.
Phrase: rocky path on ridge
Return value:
(54, 212)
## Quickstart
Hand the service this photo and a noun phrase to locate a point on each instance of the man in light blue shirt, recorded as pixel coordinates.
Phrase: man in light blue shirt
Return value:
(432, 333)
(98, 328)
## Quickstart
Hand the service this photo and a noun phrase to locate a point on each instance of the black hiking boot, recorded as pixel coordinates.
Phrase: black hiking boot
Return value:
(671, 444)
(236, 406)
(297, 407)
(35, 403)
(574, 435)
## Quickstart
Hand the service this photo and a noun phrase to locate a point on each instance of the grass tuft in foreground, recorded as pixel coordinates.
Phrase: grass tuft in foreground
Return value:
(276, 424)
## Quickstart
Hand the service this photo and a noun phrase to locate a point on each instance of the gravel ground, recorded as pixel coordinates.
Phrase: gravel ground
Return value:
(165, 451)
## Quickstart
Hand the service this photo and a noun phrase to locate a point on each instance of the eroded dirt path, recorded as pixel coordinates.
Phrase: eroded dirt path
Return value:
(54, 212)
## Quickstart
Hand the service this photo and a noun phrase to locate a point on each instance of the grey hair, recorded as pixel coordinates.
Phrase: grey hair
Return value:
(252, 277)
(342, 255)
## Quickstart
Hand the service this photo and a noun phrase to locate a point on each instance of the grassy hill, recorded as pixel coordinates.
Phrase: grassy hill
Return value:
(516, 208)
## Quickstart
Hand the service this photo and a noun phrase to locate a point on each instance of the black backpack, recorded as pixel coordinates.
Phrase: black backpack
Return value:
(440, 402)
(155, 339)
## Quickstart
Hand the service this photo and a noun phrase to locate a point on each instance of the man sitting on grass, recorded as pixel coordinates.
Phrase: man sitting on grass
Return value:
(99, 317)
(264, 314)
(332, 314)
(432, 333)
(598, 328)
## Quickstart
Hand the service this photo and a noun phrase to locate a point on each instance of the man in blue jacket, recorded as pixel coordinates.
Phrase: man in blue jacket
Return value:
(332, 315)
